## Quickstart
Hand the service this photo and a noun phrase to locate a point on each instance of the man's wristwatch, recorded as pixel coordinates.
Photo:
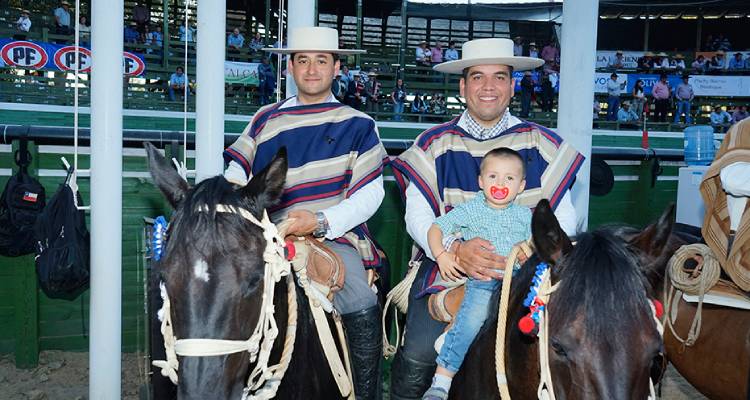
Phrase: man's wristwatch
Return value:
(322, 228)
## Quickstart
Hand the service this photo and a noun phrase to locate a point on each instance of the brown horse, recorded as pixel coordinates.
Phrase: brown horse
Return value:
(603, 340)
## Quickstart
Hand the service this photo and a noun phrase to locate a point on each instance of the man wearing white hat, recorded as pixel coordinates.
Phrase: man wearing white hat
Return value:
(333, 186)
(439, 171)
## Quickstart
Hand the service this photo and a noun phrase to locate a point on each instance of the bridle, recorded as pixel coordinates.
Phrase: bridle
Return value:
(545, 390)
(263, 381)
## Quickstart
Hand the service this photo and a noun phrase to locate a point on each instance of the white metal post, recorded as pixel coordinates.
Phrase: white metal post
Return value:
(575, 110)
(209, 106)
(301, 14)
(105, 337)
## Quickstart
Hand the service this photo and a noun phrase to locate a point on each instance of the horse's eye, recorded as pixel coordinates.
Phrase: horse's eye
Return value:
(558, 349)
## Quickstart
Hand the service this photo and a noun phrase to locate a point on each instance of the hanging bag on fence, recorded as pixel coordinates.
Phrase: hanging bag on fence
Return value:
(21, 203)
(62, 262)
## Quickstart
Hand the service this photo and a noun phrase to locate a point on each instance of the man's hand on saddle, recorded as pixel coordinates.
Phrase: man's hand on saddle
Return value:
(304, 224)
(478, 259)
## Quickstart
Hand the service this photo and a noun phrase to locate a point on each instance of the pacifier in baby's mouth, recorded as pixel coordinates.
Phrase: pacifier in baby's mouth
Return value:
(499, 193)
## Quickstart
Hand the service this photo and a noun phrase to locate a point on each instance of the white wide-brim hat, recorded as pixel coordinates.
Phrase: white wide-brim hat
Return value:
(313, 39)
(488, 52)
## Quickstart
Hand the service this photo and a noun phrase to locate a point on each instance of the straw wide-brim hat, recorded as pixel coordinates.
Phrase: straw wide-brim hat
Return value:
(679, 57)
(662, 54)
(313, 39)
(25, 12)
(488, 52)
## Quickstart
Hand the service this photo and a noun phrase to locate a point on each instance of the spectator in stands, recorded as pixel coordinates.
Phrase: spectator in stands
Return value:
(527, 90)
(235, 41)
(355, 93)
(130, 34)
(338, 88)
(617, 61)
(346, 75)
(518, 46)
(372, 89)
(186, 34)
(736, 62)
(256, 43)
(451, 54)
(677, 63)
(718, 62)
(646, 63)
(141, 16)
(438, 105)
(547, 95)
(661, 62)
(155, 39)
(747, 61)
(418, 105)
(550, 53)
(627, 116)
(639, 98)
(613, 96)
(533, 51)
(398, 97)
(23, 25)
(740, 113)
(436, 53)
(720, 119)
(266, 81)
(62, 19)
(84, 30)
(662, 94)
(177, 84)
(423, 54)
(699, 65)
(684, 96)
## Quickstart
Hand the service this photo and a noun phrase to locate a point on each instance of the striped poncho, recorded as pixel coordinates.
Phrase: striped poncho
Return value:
(444, 164)
(333, 151)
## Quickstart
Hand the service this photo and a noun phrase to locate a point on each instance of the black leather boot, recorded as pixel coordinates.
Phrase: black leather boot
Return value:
(365, 340)
(410, 378)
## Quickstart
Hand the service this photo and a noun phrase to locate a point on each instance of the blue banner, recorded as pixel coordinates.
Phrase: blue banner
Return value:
(28, 54)
(649, 80)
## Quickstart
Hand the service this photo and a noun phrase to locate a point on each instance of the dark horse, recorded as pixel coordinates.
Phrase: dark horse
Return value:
(603, 340)
(213, 271)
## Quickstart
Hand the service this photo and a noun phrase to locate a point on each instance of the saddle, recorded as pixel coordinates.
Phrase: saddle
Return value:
(325, 268)
(443, 306)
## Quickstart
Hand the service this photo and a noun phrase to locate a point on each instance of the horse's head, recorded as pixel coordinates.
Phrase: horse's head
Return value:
(213, 269)
(603, 340)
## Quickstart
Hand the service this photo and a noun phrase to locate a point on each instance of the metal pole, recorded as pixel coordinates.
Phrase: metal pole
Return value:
(209, 105)
(268, 22)
(645, 33)
(578, 57)
(360, 22)
(402, 47)
(301, 13)
(698, 34)
(165, 34)
(105, 304)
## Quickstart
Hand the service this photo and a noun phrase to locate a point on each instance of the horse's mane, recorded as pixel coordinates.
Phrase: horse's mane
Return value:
(601, 278)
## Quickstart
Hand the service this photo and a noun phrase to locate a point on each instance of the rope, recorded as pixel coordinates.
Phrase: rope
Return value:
(399, 296)
(695, 282)
(502, 318)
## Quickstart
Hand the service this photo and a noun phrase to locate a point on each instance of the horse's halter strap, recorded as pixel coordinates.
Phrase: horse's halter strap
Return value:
(261, 341)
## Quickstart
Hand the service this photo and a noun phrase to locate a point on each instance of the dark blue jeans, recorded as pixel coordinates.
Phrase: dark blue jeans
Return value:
(613, 105)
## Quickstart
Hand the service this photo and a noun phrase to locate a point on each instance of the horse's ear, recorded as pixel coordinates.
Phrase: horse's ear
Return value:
(165, 175)
(550, 240)
(266, 187)
(654, 238)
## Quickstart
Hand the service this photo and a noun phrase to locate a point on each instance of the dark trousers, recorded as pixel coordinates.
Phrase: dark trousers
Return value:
(420, 333)
(662, 105)
(525, 104)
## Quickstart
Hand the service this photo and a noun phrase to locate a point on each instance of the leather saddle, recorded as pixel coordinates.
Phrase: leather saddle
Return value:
(443, 306)
(323, 266)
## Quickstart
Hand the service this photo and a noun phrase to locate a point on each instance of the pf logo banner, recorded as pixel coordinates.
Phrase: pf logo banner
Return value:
(65, 59)
(24, 54)
(133, 65)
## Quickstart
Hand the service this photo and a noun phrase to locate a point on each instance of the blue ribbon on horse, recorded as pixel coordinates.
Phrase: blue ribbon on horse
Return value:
(159, 237)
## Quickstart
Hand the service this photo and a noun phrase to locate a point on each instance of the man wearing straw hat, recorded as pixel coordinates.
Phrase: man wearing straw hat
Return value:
(334, 184)
(439, 171)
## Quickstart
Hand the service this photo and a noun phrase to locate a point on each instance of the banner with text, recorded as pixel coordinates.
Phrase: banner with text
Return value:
(241, 73)
(537, 78)
(40, 55)
(703, 85)
(629, 58)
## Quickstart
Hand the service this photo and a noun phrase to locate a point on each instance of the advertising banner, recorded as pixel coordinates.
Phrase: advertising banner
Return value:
(630, 58)
(50, 56)
(241, 73)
